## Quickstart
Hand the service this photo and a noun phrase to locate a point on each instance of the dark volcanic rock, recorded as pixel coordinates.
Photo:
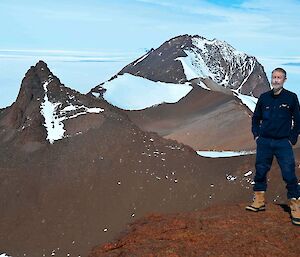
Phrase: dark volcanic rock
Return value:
(25, 111)
(160, 64)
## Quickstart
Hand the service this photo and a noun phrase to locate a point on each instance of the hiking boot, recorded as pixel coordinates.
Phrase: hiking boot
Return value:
(295, 211)
(258, 202)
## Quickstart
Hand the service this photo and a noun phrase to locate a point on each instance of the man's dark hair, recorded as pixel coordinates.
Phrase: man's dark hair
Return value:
(280, 70)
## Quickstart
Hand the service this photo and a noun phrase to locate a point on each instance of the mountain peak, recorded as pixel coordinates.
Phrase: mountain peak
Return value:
(32, 85)
(41, 64)
(32, 90)
(40, 68)
(44, 107)
(186, 57)
(25, 111)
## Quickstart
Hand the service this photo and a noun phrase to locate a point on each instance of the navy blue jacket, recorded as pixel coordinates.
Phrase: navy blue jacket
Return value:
(277, 116)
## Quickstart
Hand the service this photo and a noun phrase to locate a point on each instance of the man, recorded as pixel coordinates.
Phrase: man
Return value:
(275, 127)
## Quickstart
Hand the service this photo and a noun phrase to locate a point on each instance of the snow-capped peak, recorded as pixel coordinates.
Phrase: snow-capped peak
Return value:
(187, 57)
(217, 60)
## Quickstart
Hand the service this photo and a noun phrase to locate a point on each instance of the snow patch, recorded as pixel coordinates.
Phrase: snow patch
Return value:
(54, 117)
(201, 84)
(4, 255)
(222, 154)
(230, 177)
(217, 60)
(249, 101)
(194, 66)
(97, 95)
(248, 173)
(252, 64)
(136, 93)
(142, 58)
(54, 125)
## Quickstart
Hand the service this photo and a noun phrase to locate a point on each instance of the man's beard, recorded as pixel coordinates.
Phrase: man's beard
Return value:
(275, 90)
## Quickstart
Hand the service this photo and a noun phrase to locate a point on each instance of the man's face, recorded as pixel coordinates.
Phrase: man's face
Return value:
(278, 80)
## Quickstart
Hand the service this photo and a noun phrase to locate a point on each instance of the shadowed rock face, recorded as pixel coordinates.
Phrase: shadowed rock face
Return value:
(257, 83)
(160, 64)
(23, 117)
(216, 231)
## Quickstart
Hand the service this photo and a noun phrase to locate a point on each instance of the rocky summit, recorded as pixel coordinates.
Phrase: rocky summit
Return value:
(214, 87)
(187, 57)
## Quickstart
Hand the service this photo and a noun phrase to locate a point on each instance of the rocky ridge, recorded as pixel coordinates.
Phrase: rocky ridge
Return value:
(187, 57)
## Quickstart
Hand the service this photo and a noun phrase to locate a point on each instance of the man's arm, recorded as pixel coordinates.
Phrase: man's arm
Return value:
(256, 119)
(296, 120)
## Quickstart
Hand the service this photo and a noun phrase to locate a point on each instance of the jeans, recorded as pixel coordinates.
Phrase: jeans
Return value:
(267, 148)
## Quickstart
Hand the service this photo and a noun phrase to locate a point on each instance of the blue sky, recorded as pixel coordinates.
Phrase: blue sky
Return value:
(128, 25)
(66, 33)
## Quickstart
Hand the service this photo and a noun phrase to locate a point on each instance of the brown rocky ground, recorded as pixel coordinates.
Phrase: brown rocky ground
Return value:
(226, 231)
(204, 120)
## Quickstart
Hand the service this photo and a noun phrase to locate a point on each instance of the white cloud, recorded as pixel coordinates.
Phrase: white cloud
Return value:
(66, 56)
